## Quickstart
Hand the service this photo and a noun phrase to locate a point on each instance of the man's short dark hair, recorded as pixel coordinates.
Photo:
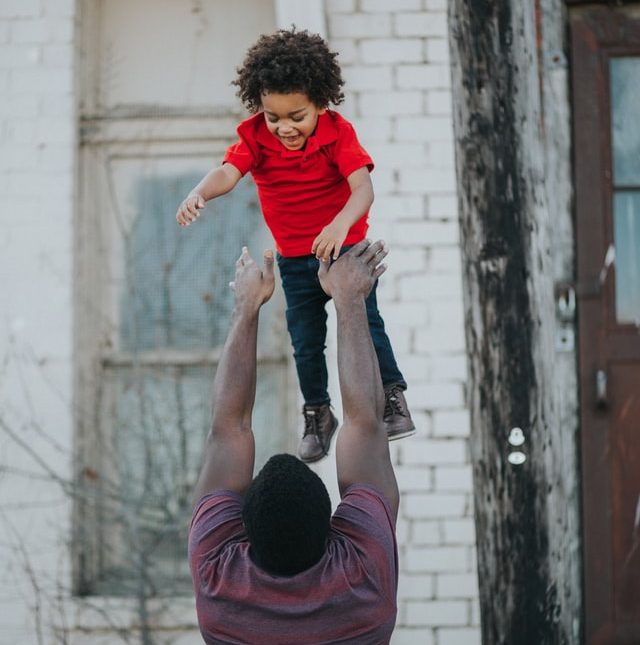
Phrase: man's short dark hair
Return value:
(286, 514)
(290, 61)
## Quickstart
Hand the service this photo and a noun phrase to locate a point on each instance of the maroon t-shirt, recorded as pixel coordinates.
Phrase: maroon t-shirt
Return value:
(349, 596)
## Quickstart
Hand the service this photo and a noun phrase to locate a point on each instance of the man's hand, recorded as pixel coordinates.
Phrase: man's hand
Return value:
(354, 273)
(189, 210)
(253, 286)
(362, 449)
(229, 452)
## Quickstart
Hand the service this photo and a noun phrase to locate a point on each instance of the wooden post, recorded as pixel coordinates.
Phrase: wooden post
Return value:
(528, 589)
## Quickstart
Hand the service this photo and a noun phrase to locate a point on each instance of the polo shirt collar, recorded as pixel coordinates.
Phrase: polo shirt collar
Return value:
(326, 132)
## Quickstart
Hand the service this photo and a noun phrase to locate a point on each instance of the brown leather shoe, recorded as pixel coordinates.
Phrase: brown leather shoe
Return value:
(397, 417)
(319, 427)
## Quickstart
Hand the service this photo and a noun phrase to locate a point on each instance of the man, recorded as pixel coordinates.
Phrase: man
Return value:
(269, 563)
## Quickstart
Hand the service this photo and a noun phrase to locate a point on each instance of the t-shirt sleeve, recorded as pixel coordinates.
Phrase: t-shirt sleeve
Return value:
(239, 155)
(216, 521)
(349, 154)
(365, 518)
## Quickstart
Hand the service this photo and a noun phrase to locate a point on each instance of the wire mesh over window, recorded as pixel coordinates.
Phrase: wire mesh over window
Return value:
(176, 293)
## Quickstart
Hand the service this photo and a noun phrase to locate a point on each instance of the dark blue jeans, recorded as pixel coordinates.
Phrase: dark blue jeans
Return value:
(307, 324)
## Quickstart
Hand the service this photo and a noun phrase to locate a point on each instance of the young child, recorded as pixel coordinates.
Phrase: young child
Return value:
(313, 183)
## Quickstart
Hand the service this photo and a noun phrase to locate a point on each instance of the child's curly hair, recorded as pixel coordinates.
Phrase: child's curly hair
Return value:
(290, 61)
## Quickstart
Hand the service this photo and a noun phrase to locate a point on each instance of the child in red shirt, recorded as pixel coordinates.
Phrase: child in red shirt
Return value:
(313, 183)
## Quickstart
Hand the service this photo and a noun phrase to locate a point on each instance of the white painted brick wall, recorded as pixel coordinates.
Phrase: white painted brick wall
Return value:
(442, 206)
(390, 104)
(395, 60)
(359, 25)
(395, 57)
(438, 50)
(426, 533)
(439, 102)
(423, 24)
(463, 636)
(391, 50)
(435, 77)
(339, 6)
(456, 585)
(388, 5)
(37, 140)
(416, 586)
(436, 559)
(359, 77)
(437, 612)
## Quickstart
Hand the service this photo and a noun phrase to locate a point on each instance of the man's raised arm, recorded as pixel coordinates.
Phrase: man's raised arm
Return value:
(230, 449)
(362, 450)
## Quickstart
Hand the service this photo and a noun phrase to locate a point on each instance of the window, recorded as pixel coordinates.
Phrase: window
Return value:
(152, 299)
(625, 135)
(161, 309)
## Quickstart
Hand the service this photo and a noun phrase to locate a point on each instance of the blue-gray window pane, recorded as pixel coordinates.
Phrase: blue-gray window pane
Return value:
(150, 464)
(176, 293)
(626, 220)
(625, 121)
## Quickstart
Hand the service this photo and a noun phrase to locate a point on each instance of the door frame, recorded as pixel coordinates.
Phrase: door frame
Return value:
(597, 34)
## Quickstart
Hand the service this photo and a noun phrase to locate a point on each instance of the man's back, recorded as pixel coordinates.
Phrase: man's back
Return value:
(349, 596)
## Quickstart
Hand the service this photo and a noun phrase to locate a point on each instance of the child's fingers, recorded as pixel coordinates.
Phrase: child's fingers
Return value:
(326, 253)
(320, 249)
(336, 250)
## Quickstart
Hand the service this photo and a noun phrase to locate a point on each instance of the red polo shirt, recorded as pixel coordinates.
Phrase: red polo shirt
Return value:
(301, 191)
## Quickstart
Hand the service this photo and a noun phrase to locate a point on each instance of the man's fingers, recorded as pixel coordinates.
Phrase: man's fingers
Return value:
(379, 270)
(244, 258)
(322, 269)
(268, 263)
(375, 252)
(360, 247)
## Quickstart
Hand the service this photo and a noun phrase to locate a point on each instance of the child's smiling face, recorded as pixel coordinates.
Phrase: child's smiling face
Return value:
(291, 118)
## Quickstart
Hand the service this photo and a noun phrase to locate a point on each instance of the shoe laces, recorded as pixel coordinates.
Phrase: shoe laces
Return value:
(392, 403)
(310, 422)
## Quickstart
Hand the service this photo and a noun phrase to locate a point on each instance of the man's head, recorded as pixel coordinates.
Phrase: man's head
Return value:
(286, 514)
(287, 62)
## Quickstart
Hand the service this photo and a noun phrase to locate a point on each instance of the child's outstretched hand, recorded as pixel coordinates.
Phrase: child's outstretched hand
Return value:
(329, 241)
(189, 209)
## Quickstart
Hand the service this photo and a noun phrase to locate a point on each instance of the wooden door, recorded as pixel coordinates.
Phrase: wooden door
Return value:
(606, 108)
